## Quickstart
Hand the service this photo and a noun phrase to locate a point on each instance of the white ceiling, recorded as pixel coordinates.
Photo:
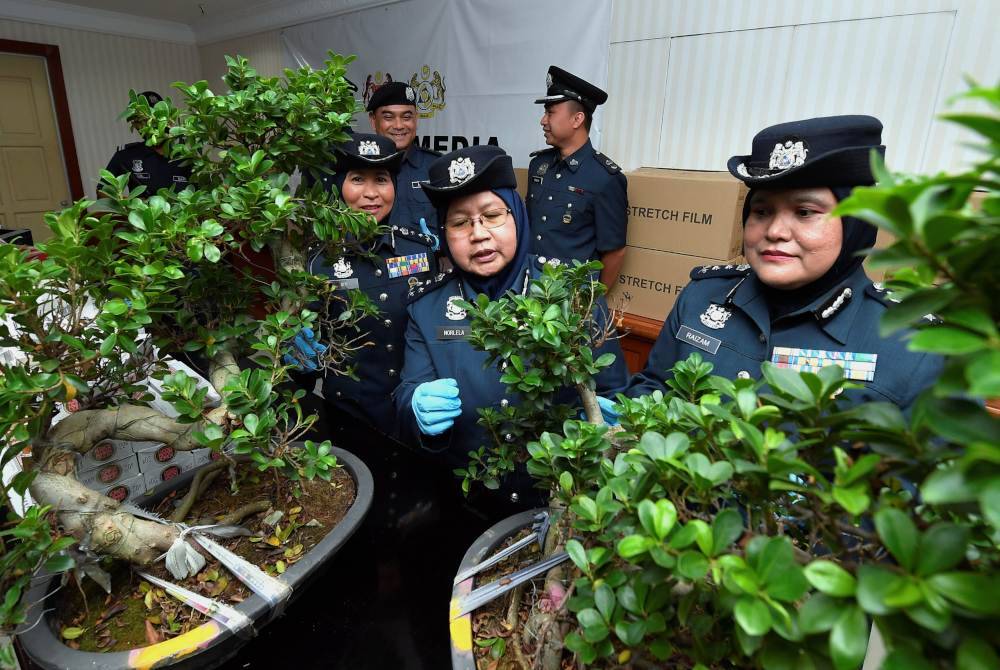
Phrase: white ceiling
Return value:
(180, 11)
(185, 21)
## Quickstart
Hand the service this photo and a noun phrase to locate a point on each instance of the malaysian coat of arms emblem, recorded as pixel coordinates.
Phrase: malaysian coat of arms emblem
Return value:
(342, 269)
(452, 310)
(715, 316)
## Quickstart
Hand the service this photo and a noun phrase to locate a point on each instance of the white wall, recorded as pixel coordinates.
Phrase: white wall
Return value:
(264, 50)
(690, 82)
(99, 69)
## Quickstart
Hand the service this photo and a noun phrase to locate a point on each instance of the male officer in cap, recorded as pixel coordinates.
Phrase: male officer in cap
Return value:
(147, 166)
(577, 197)
(392, 111)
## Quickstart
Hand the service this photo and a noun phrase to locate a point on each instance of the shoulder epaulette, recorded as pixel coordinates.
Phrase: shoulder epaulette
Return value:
(420, 289)
(541, 151)
(414, 235)
(713, 271)
(879, 292)
(608, 164)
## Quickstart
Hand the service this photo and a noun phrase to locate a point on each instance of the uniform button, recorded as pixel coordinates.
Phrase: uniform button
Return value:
(339, 394)
(542, 259)
(387, 323)
(743, 374)
(514, 497)
(389, 347)
(392, 373)
(569, 205)
(383, 296)
(544, 217)
(538, 237)
(762, 337)
(378, 273)
(558, 175)
(504, 402)
(508, 437)
(550, 197)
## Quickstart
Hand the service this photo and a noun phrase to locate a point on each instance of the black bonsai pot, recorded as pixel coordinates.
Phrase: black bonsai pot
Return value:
(210, 644)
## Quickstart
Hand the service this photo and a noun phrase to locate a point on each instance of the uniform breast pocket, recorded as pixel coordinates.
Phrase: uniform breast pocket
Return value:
(572, 209)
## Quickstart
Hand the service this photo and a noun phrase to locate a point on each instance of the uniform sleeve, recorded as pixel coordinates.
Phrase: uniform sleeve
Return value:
(418, 367)
(664, 354)
(611, 214)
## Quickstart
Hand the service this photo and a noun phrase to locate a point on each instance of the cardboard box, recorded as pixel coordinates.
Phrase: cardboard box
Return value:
(156, 475)
(522, 181)
(129, 489)
(650, 281)
(111, 472)
(686, 212)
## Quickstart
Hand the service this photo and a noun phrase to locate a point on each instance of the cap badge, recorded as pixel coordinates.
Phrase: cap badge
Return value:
(548, 80)
(715, 316)
(342, 269)
(410, 95)
(788, 155)
(452, 310)
(461, 170)
(368, 148)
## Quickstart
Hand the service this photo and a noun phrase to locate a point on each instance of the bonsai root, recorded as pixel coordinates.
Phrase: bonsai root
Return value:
(202, 480)
(513, 624)
(237, 515)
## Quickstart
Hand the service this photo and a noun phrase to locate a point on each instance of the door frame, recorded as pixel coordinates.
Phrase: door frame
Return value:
(57, 86)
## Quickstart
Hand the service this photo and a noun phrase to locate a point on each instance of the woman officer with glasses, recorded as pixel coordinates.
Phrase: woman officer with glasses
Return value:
(485, 233)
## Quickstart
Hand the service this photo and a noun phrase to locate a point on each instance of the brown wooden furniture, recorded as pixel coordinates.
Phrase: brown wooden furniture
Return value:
(639, 335)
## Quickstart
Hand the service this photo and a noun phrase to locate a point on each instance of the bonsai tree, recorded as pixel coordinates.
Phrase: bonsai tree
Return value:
(743, 523)
(128, 282)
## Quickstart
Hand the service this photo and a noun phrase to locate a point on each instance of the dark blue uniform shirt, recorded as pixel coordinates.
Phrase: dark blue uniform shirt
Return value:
(578, 206)
(436, 348)
(403, 258)
(411, 202)
(722, 314)
(145, 167)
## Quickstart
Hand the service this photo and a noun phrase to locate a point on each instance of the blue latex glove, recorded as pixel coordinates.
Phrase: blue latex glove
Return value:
(608, 411)
(436, 405)
(427, 231)
(307, 351)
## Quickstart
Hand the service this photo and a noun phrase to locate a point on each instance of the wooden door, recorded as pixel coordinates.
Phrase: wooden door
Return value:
(32, 176)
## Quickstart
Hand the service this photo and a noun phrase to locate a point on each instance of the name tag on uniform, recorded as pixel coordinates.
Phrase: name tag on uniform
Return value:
(698, 339)
(415, 184)
(857, 366)
(344, 284)
(453, 332)
(401, 266)
(536, 179)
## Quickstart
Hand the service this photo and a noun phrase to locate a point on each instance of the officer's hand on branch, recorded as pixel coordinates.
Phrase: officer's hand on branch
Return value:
(306, 351)
(427, 231)
(436, 405)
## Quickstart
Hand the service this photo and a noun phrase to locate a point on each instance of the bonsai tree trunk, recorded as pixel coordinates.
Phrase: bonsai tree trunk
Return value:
(97, 521)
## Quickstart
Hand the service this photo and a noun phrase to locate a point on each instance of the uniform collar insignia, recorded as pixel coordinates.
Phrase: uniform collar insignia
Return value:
(461, 170)
(834, 304)
(452, 310)
(574, 162)
(715, 316)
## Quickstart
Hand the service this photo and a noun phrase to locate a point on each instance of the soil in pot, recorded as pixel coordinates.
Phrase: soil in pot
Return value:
(136, 614)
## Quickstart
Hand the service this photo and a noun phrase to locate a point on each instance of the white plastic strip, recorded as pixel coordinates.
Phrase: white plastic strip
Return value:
(274, 591)
(224, 614)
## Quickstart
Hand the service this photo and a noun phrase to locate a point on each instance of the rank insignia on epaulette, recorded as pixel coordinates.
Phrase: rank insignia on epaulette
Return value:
(834, 304)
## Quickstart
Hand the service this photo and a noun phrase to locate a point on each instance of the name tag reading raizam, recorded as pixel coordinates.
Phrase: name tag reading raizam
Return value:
(699, 339)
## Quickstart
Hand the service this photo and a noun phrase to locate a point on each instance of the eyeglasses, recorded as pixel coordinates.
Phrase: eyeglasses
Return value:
(494, 218)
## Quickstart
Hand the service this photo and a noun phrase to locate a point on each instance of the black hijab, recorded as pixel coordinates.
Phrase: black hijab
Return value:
(858, 235)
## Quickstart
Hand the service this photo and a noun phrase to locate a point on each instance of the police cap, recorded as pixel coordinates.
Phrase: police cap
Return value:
(474, 169)
(366, 151)
(560, 86)
(826, 151)
(392, 93)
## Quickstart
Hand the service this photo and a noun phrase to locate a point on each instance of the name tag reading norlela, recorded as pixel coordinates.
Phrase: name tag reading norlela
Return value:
(344, 284)
(453, 332)
(698, 339)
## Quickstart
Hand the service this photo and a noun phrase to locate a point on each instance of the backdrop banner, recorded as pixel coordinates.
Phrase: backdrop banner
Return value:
(477, 66)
